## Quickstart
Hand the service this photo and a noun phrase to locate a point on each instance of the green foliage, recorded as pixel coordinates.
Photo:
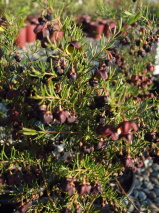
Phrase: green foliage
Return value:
(55, 143)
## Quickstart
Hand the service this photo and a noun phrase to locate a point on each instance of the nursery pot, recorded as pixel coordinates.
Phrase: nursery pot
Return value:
(95, 30)
(85, 20)
(30, 35)
(21, 37)
(126, 28)
(127, 181)
(108, 27)
(57, 34)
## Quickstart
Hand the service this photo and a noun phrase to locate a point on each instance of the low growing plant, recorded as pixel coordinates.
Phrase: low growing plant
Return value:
(78, 116)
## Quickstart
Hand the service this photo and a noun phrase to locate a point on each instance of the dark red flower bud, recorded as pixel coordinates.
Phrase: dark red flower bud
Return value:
(100, 145)
(38, 28)
(135, 24)
(134, 77)
(83, 188)
(150, 67)
(78, 209)
(66, 210)
(96, 188)
(60, 116)
(23, 208)
(42, 107)
(49, 16)
(142, 30)
(101, 73)
(73, 45)
(126, 126)
(70, 118)
(68, 186)
(12, 115)
(127, 137)
(10, 180)
(128, 162)
(72, 75)
(46, 117)
(107, 130)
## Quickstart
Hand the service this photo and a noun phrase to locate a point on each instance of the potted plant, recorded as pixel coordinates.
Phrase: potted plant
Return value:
(76, 117)
(21, 37)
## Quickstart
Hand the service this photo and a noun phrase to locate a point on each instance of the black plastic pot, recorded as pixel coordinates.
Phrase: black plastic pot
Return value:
(127, 181)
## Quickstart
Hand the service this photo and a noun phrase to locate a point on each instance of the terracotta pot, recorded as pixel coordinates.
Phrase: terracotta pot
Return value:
(21, 37)
(57, 35)
(30, 35)
(90, 27)
(95, 30)
(126, 27)
(108, 28)
(86, 19)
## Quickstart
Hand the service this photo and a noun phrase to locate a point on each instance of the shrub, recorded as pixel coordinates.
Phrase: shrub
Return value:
(77, 116)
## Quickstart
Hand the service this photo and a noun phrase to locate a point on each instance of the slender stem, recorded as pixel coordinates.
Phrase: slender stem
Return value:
(91, 204)
(46, 186)
(123, 191)
(69, 132)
